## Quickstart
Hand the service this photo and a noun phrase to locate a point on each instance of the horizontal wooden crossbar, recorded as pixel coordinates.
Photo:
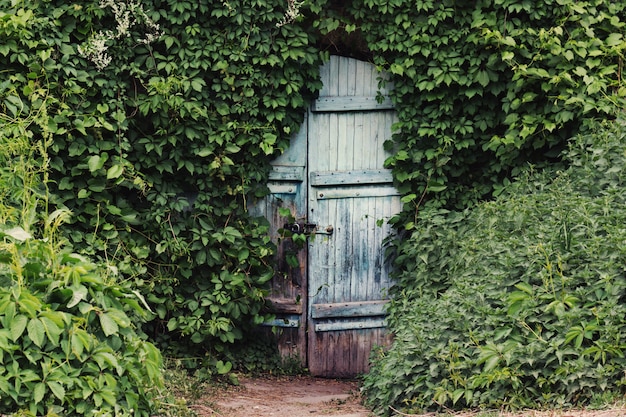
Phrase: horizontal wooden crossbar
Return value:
(357, 192)
(284, 306)
(351, 103)
(286, 173)
(291, 321)
(360, 177)
(350, 325)
(349, 309)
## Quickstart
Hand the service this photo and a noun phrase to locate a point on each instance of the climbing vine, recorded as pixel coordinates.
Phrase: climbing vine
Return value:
(168, 115)
(483, 88)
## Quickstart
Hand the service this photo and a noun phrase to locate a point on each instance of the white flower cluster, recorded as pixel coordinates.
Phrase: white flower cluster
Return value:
(293, 11)
(95, 50)
(127, 14)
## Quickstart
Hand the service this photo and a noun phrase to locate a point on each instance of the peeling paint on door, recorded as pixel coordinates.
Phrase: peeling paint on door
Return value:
(331, 310)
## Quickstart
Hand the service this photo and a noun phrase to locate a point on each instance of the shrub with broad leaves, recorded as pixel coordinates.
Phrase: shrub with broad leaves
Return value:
(518, 302)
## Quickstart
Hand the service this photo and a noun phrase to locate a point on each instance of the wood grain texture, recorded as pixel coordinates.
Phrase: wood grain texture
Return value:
(330, 308)
(350, 190)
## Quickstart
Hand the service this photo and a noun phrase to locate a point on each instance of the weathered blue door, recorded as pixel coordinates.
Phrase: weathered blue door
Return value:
(330, 307)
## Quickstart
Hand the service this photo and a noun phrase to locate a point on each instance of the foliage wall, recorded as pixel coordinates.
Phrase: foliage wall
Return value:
(483, 87)
(168, 112)
(519, 302)
(167, 115)
(70, 341)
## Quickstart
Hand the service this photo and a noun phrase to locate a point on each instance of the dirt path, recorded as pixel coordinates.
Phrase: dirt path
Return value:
(285, 397)
(307, 396)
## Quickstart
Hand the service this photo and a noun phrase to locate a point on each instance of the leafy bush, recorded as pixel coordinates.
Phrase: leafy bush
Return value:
(519, 302)
(68, 343)
(68, 336)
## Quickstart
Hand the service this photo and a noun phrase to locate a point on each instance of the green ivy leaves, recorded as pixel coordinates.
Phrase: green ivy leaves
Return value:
(158, 153)
(490, 86)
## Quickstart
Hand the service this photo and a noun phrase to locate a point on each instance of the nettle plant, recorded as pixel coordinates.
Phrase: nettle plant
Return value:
(519, 302)
(69, 342)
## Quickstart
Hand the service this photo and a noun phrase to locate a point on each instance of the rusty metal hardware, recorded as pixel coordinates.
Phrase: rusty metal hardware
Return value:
(328, 231)
(308, 229)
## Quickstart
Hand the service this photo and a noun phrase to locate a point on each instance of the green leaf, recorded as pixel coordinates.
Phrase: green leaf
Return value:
(39, 392)
(457, 394)
(108, 324)
(57, 389)
(115, 171)
(80, 341)
(197, 84)
(94, 163)
(525, 287)
(223, 367)
(53, 330)
(396, 69)
(78, 294)
(614, 39)
(204, 152)
(106, 360)
(109, 397)
(507, 56)
(408, 198)
(18, 233)
(36, 332)
(197, 337)
(491, 362)
(483, 78)
(436, 186)
(120, 318)
(17, 326)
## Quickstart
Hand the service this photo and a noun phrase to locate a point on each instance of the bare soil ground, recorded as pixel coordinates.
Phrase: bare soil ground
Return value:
(308, 396)
(285, 397)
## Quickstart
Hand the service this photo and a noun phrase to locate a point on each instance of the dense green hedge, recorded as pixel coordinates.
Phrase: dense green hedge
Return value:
(518, 302)
(482, 87)
(168, 114)
(69, 339)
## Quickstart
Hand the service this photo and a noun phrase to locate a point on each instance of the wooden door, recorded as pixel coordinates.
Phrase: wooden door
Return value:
(330, 310)
(351, 194)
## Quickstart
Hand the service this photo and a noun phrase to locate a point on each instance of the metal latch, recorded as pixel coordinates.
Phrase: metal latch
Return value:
(328, 231)
(308, 229)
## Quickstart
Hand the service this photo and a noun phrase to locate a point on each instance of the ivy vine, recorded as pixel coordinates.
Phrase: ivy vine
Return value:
(483, 88)
(168, 115)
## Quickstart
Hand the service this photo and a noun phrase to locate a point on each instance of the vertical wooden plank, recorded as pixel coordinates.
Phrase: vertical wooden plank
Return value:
(342, 87)
(325, 79)
(351, 76)
(333, 66)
